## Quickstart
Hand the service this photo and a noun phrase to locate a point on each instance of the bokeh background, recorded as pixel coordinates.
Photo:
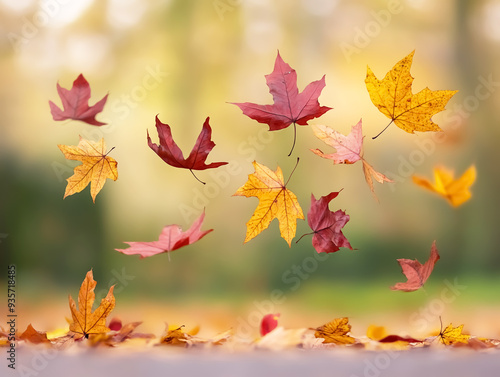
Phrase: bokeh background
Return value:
(186, 60)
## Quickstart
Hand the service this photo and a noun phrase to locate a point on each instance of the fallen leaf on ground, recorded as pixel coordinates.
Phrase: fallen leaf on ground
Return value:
(336, 332)
(268, 323)
(349, 150)
(86, 322)
(275, 201)
(281, 338)
(171, 238)
(76, 103)
(289, 105)
(416, 273)
(327, 225)
(96, 166)
(451, 335)
(33, 336)
(394, 98)
(169, 151)
(456, 191)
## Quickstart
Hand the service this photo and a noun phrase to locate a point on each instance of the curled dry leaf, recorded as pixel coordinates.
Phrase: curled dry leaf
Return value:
(335, 331)
(416, 273)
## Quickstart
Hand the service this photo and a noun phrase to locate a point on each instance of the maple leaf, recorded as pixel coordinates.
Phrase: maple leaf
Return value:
(349, 150)
(456, 191)
(416, 273)
(394, 98)
(327, 225)
(85, 322)
(76, 103)
(171, 238)
(289, 105)
(275, 201)
(268, 323)
(95, 168)
(170, 152)
(451, 335)
(335, 332)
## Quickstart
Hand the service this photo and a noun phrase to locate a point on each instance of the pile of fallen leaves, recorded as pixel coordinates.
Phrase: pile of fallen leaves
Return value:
(89, 328)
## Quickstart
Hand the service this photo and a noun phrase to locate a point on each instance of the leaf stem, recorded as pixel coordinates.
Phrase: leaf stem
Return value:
(373, 138)
(292, 172)
(294, 138)
(306, 234)
(194, 175)
(109, 151)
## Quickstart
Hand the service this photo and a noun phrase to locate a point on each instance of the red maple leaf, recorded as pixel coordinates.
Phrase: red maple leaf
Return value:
(327, 225)
(170, 152)
(171, 238)
(76, 103)
(289, 105)
(416, 273)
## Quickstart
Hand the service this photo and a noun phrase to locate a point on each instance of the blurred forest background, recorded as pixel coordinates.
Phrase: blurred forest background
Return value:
(186, 60)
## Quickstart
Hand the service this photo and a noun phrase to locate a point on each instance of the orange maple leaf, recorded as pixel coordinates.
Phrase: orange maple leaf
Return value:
(393, 97)
(335, 332)
(86, 322)
(275, 201)
(456, 191)
(96, 166)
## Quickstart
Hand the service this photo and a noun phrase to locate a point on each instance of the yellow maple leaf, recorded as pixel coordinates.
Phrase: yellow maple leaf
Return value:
(86, 322)
(95, 168)
(335, 332)
(451, 335)
(394, 98)
(456, 191)
(275, 201)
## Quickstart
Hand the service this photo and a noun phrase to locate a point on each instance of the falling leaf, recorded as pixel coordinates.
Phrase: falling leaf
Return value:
(268, 323)
(335, 332)
(455, 191)
(327, 225)
(171, 238)
(349, 150)
(394, 98)
(95, 168)
(86, 322)
(451, 335)
(275, 201)
(76, 103)
(33, 336)
(289, 105)
(170, 152)
(416, 273)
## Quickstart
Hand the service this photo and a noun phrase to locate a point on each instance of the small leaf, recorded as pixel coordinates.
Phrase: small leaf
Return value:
(336, 332)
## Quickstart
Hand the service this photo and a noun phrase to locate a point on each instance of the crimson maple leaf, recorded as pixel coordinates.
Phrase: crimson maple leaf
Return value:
(327, 225)
(289, 105)
(76, 103)
(416, 273)
(170, 152)
(171, 238)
